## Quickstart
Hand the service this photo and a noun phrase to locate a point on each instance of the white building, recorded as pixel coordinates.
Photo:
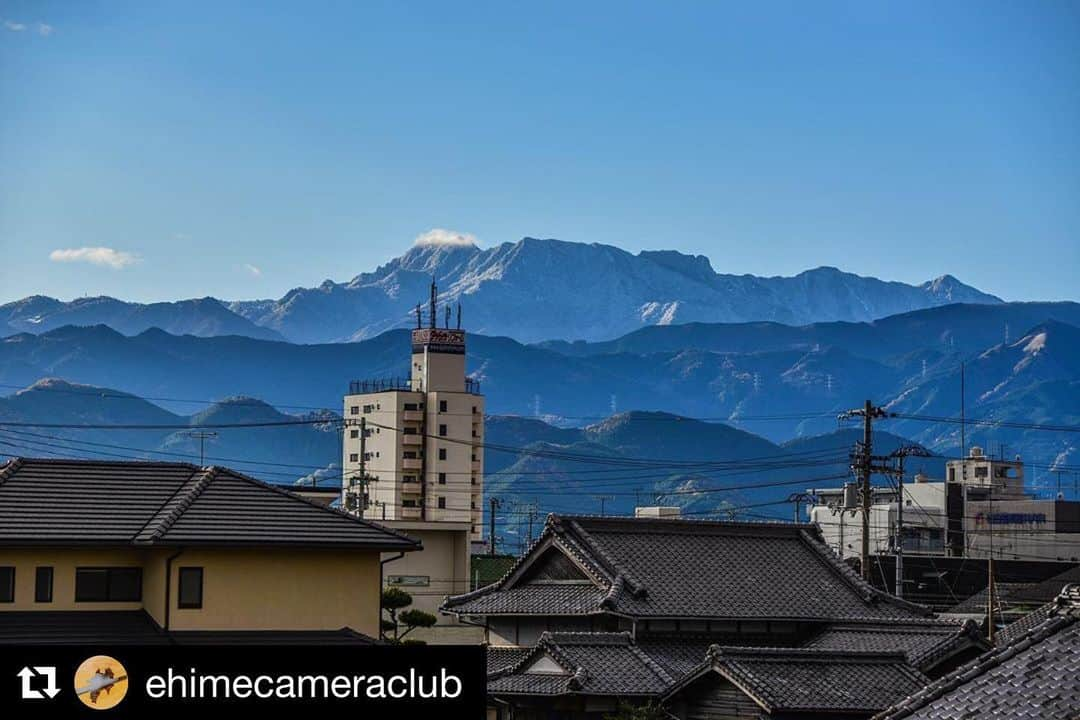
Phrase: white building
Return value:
(413, 460)
(982, 502)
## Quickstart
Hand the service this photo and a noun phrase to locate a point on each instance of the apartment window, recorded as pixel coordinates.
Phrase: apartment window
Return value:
(367, 409)
(442, 478)
(189, 593)
(354, 433)
(354, 457)
(473, 409)
(408, 431)
(43, 582)
(411, 406)
(442, 431)
(442, 406)
(7, 584)
(409, 454)
(117, 584)
(408, 503)
(442, 503)
(355, 410)
(442, 453)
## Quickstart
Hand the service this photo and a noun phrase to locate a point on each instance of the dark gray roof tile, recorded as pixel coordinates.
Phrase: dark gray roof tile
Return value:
(91, 502)
(694, 569)
(1035, 675)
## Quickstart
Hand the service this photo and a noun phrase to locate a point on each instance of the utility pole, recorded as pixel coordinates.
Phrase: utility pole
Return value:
(532, 516)
(602, 499)
(963, 424)
(901, 453)
(494, 502)
(862, 463)
(202, 436)
(990, 570)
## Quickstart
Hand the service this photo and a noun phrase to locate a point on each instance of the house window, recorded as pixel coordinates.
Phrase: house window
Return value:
(43, 582)
(7, 584)
(117, 584)
(442, 406)
(442, 453)
(354, 433)
(442, 503)
(189, 594)
(354, 410)
(354, 457)
(442, 431)
(442, 478)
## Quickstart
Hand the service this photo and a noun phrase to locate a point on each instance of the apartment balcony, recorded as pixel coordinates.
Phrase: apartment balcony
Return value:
(412, 439)
(476, 466)
(412, 463)
(410, 513)
(413, 415)
(410, 488)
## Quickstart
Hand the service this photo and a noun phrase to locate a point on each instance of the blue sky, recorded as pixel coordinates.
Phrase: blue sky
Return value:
(240, 150)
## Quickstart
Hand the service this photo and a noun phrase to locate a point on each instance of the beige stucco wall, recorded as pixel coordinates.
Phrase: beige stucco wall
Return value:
(281, 590)
(243, 589)
(64, 563)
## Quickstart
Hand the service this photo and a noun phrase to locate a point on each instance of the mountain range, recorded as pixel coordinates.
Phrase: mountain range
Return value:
(775, 381)
(531, 290)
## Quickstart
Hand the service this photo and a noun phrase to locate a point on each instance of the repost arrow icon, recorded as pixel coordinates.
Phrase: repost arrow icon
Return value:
(29, 693)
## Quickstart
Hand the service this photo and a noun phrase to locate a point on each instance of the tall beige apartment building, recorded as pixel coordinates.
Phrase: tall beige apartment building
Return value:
(413, 460)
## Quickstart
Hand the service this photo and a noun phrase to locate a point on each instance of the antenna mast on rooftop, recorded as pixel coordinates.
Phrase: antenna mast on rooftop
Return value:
(434, 294)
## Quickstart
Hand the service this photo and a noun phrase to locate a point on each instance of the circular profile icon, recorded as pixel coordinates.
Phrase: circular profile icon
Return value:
(101, 682)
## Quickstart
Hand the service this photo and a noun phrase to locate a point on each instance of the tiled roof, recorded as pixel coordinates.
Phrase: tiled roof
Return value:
(925, 643)
(136, 627)
(593, 664)
(500, 658)
(796, 679)
(819, 681)
(542, 599)
(78, 627)
(1036, 676)
(672, 568)
(91, 502)
(1025, 624)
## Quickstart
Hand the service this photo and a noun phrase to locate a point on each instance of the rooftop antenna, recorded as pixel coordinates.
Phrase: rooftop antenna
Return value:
(418, 312)
(963, 423)
(434, 294)
(459, 316)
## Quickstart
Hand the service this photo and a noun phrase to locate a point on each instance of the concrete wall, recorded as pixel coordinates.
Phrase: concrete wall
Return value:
(444, 565)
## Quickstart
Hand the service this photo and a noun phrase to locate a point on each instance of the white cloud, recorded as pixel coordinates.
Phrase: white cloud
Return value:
(14, 26)
(44, 29)
(255, 272)
(439, 236)
(116, 259)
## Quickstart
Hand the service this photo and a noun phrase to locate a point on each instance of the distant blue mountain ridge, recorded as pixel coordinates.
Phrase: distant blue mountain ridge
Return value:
(531, 290)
